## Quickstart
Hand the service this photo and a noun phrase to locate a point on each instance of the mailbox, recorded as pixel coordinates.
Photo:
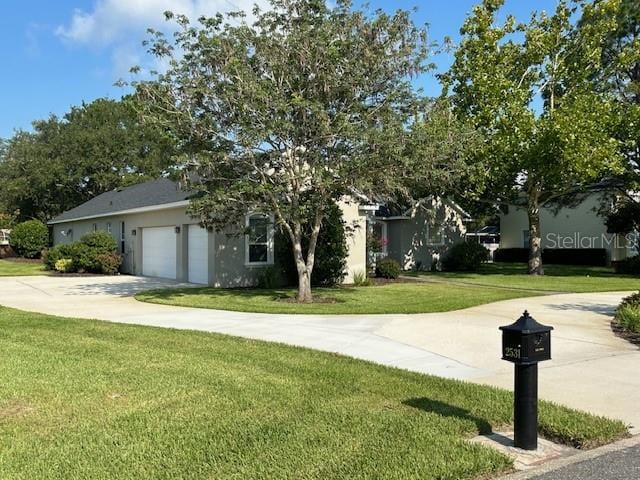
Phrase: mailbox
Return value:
(526, 341)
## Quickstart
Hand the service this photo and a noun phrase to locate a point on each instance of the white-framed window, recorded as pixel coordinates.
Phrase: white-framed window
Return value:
(259, 239)
(95, 227)
(108, 227)
(122, 238)
(435, 235)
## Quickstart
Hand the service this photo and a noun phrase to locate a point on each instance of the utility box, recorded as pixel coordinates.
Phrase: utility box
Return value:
(526, 341)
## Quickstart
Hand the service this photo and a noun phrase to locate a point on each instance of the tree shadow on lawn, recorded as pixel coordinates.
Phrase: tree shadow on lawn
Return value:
(286, 295)
(447, 410)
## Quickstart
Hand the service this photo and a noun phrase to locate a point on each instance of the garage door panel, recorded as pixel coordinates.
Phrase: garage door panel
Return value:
(198, 255)
(159, 252)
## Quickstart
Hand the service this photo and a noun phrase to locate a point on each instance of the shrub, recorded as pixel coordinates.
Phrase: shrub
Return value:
(64, 265)
(269, 277)
(107, 263)
(628, 266)
(464, 257)
(331, 252)
(30, 238)
(101, 242)
(360, 279)
(628, 313)
(388, 268)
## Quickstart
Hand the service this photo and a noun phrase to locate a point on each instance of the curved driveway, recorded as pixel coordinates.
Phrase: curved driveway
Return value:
(592, 369)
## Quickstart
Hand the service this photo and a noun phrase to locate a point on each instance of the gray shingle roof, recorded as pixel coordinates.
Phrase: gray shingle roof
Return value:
(156, 192)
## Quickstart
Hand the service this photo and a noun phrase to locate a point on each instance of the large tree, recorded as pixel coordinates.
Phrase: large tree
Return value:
(308, 104)
(65, 161)
(528, 88)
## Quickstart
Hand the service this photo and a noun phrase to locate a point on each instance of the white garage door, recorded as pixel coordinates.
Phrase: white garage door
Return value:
(198, 255)
(159, 252)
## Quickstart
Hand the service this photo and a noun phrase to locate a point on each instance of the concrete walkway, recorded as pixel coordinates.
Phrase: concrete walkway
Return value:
(592, 369)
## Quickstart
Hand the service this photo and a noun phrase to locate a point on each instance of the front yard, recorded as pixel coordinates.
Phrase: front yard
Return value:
(13, 267)
(87, 399)
(437, 292)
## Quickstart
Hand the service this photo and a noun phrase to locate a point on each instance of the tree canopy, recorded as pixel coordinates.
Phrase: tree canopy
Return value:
(65, 161)
(547, 127)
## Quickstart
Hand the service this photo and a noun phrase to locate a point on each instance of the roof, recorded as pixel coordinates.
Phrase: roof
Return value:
(162, 193)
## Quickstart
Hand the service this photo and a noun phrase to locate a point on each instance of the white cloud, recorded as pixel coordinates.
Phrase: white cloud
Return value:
(120, 26)
(111, 21)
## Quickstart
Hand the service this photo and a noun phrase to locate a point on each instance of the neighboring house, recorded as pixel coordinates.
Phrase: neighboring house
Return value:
(5, 248)
(488, 236)
(417, 236)
(578, 226)
(158, 239)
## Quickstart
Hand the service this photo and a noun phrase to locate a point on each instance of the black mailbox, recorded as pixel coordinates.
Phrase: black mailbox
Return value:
(526, 341)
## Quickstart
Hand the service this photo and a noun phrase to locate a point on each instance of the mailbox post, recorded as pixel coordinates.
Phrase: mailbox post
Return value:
(525, 343)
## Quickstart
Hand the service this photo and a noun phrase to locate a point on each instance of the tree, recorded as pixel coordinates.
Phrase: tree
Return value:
(528, 89)
(94, 148)
(307, 105)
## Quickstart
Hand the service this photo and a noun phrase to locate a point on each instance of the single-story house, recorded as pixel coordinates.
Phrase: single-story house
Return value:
(157, 237)
(417, 236)
(579, 225)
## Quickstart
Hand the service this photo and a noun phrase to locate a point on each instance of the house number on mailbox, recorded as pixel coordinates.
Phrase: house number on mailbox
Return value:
(512, 352)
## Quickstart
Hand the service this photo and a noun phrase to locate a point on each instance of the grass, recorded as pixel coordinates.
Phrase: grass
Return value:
(438, 293)
(20, 267)
(389, 298)
(557, 278)
(94, 400)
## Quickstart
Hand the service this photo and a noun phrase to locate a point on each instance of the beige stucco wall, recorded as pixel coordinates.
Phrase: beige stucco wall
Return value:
(408, 238)
(579, 226)
(356, 223)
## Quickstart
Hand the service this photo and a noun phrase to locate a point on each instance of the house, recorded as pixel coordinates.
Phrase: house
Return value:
(416, 236)
(157, 238)
(577, 226)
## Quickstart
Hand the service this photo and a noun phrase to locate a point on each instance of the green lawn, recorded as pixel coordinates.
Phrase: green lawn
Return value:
(95, 400)
(557, 278)
(18, 267)
(438, 292)
(390, 298)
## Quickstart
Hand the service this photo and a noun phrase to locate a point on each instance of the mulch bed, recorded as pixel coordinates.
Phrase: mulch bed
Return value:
(621, 332)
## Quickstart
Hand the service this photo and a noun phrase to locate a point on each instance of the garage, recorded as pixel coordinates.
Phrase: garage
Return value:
(198, 255)
(159, 252)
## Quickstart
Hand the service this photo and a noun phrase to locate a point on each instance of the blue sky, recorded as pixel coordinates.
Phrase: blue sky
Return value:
(60, 53)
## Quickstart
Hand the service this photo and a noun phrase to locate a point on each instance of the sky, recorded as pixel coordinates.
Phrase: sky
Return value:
(57, 54)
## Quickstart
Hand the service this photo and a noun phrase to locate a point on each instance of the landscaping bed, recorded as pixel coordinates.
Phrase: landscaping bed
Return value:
(89, 399)
(626, 322)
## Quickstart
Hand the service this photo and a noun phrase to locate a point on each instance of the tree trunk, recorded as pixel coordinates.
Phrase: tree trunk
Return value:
(304, 286)
(535, 234)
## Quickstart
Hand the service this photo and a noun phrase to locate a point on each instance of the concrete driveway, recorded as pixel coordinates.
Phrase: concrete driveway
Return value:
(592, 369)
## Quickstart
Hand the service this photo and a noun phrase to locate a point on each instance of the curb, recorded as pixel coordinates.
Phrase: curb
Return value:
(573, 459)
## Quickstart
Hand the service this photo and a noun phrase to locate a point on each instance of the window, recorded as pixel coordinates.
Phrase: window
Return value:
(95, 227)
(259, 240)
(435, 235)
(122, 237)
(525, 238)
(108, 227)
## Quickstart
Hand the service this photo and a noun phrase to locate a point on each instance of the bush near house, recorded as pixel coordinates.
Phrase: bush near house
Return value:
(30, 238)
(628, 266)
(464, 257)
(388, 268)
(94, 253)
(330, 257)
(628, 313)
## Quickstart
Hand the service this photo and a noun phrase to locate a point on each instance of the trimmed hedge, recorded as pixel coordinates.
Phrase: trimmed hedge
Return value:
(596, 257)
(628, 266)
(388, 268)
(464, 257)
